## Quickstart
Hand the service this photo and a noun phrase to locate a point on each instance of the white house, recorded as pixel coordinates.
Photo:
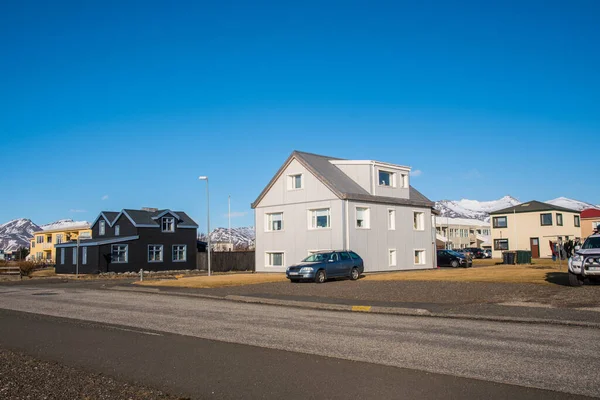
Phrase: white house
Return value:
(322, 203)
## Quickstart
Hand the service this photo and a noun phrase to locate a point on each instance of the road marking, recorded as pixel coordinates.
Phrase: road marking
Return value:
(361, 308)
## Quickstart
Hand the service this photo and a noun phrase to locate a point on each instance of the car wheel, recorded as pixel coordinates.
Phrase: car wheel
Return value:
(320, 277)
(454, 264)
(575, 280)
(354, 274)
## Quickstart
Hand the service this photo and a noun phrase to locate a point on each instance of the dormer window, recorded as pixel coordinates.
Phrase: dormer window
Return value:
(168, 224)
(295, 182)
(386, 178)
(101, 227)
(117, 230)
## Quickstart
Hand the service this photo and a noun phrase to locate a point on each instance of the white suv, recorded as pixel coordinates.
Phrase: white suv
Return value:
(585, 263)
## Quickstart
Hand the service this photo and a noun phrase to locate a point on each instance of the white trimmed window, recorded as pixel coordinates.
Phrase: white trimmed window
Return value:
(392, 257)
(62, 255)
(418, 221)
(84, 255)
(168, 224)
(362, 217)
(119, 253)
(391, 219)
(155, 253)
(39, 239)
(117, 230)
(74, 255)
(274, 222)
(295, 182)
(319, 219)
(101, 227)
(59, 238)
(386, 178)
(179, 252)
(273, 259)
(404, 180)
(419, 257)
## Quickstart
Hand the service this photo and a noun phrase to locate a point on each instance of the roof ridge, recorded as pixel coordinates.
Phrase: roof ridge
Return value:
(316, 155)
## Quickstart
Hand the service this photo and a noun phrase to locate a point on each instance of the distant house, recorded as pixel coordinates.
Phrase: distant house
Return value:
(2, 257)
(317, 203)
(462, 232)
(130, 240)
(42, 245)
(590, 221)
(533, 226)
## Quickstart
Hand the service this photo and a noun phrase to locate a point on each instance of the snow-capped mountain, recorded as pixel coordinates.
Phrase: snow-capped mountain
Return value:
(16, 233)
(473, 209)
(571, 203)
(240, 237)
(65, 224)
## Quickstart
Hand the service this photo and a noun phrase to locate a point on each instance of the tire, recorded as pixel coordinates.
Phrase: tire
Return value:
(454, 264)
(354, 274)
(575, 280)
(320, 276)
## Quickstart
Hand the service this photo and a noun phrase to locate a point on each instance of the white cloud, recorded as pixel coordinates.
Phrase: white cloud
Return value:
(237, 214)
(416, 172)
(105, 197)
(75, 210)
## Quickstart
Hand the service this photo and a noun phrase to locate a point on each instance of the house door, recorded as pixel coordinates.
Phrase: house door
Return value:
(535, 247)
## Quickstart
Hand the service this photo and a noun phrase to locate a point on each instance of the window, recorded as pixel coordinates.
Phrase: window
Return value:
(362, 217)
(546, 219)
(32, 244)
(168, 224)
(345, 256)
(49, 239)
(319, 218)
(155, 253)
(499, 222)
(500, 244)
(117, 230)
(419, 257)
(386, 178)
(391, 220)
(577, 221)
(274, 222)
(559, 219)
(59, 238)
(119, 253)
(354, 256)
(84, 255)
(179, 252)
(404, 181)
(102, 227)
(39, 239)
(74, 255)
(392, 257)
(419, 221)
(295, 182)
(274, 259)
(62, 255)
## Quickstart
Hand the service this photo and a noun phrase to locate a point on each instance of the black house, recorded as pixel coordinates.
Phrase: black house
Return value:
(130, 240)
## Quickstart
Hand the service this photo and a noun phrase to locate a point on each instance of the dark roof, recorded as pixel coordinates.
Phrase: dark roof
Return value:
(341, 184)
(110, 215)
(532, 206)
(143, 217)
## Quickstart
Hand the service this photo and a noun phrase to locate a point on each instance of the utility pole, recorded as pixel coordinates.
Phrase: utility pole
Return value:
(229, 215)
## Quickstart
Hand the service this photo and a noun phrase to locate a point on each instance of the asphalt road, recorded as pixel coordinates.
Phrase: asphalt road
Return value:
(200, 347)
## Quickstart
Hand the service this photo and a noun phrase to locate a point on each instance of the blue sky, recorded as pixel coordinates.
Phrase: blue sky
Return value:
(122, 104)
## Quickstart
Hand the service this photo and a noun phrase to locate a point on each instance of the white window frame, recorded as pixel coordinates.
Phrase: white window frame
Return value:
(102, 228)
(83, 255)
(59, 238)
(39, 239)
(366, 217)
(291, 182)
(167, 219)
(404, 180)
(176, 248)
(269, 259)
(75, 255)
(126, 253)
(420, 221)
(312, 218)
(62, 255)
(422, 261)
(391, 219)
(156, 248)
(117, 230)
(392, 257)
(269, 221)
(392, 178)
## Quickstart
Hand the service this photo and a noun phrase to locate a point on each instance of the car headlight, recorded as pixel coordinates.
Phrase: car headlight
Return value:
(577, 257)
(306, 270)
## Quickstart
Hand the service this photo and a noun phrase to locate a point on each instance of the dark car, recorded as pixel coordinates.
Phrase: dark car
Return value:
(451, 258)
(476, 252)
(323, 265)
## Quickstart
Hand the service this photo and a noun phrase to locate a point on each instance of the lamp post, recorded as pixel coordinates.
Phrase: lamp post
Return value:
(205, 178)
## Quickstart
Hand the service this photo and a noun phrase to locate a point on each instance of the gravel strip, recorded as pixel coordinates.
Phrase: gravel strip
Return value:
(24, 377)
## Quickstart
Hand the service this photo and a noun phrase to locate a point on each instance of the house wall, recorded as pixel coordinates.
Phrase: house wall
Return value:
(48, 250)
(373, 243)
(360, 173)
(588, 225)
(521, 227)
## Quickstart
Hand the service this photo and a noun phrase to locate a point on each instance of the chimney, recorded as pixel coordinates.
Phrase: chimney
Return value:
(149, 209)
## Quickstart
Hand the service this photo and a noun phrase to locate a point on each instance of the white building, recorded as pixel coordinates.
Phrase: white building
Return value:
(462, 232)
(322, 203)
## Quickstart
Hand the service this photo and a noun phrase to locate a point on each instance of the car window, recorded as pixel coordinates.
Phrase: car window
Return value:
(345, 256)
(592, 243)
(354, 256)
(334, 257)
(317, 257)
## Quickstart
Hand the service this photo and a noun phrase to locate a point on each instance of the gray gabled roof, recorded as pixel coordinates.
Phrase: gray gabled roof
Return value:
(532, 206)
(341, 184)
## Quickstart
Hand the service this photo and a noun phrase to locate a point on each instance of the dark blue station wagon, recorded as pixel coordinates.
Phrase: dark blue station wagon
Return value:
(323, 265)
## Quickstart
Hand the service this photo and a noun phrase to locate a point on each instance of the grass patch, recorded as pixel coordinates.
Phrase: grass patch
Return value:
(216, 281)
(43, 273)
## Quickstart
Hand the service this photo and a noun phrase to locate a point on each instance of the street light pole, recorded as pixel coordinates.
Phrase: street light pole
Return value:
(229, 215)
(205, 178)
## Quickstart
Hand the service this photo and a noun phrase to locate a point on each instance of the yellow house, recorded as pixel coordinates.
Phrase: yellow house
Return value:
(532, 226)
(41, 246)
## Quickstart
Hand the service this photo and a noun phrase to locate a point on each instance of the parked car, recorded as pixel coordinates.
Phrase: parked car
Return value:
(585, 263)
(323, 265)
(451, 258)
(487, 253)
(476, 252)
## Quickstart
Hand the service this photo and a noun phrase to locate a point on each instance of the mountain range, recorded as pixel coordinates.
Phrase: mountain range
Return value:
(18, 232)
(240, 237)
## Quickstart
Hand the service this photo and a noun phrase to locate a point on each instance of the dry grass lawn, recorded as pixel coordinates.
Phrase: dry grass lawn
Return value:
(43, 273)
(215, 281)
